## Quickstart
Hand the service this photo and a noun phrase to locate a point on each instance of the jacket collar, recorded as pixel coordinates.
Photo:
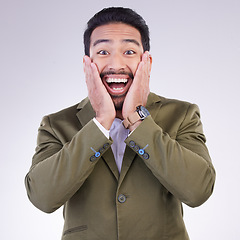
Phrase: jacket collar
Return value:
(86, 112)
(152, 99)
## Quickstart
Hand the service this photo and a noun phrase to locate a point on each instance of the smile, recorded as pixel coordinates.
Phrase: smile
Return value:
(117, 84)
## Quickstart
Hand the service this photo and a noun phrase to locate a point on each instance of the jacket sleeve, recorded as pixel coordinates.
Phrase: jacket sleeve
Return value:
(182, 164)
(57, 170)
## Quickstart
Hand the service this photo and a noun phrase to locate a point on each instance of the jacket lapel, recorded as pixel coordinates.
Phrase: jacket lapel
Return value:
(128, 157)
(110, 161)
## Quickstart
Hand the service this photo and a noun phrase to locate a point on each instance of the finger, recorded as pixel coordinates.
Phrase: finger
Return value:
(91, 72)
(147, 60)
(86, 63)
(147, 65)
(87, 69)
(143, 70)
(95, 71)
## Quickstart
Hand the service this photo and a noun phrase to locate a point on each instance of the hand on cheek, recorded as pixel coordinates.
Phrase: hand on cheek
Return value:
(98, 95)
(139, 90)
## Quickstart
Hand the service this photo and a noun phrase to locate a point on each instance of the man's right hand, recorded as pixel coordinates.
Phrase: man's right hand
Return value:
(99, 97)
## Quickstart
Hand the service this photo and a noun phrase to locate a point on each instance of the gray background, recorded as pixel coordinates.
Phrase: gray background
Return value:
(196, 56)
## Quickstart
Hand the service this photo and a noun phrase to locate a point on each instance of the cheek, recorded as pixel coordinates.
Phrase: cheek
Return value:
(133, 66)
(99, 64)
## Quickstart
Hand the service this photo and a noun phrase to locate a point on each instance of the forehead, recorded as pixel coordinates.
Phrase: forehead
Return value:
(115, 32)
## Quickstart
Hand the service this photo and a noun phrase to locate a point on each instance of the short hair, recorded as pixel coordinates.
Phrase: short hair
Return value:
(117, 15)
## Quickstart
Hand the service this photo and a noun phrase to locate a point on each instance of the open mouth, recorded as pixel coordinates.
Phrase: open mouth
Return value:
(117, 84)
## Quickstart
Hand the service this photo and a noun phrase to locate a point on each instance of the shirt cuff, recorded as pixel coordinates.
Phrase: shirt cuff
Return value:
(103, 129)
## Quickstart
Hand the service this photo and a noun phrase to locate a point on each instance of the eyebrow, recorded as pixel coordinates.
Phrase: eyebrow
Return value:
(108, 40)
(100, 41)
(132, 41)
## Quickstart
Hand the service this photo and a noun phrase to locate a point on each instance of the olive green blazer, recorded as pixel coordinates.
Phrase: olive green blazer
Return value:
(166, 163)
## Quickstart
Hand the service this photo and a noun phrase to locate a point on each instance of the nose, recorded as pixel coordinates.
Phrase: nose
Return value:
(116, 62)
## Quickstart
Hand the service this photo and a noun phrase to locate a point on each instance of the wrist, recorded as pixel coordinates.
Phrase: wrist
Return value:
(135, 125)
(106, 122)
(134, 119)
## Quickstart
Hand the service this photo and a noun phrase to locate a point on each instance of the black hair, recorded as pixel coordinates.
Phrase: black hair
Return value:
(117, 15)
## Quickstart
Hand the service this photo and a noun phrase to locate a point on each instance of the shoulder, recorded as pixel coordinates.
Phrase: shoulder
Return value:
(66, 117)
(170, 114)
(155, 100)
(63, 124)
(69, 112)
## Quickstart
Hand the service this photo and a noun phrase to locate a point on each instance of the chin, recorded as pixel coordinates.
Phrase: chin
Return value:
(118, 102)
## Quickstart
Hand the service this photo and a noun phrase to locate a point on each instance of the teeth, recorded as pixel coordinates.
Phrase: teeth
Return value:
(116, 80)
(118, 89)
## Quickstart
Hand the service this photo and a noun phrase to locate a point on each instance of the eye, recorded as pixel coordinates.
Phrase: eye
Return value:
(129, 52)
(103, 52)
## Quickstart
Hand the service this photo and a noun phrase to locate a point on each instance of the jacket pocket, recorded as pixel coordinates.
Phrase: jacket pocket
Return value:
(75, 229)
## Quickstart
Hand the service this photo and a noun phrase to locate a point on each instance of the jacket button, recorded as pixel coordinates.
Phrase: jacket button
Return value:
(141, 151)
(97, 154)
(132, 144)
(93, 158)
(146, 156)
(101, 150)
(105, 145)
(122, 198)
(136, 148)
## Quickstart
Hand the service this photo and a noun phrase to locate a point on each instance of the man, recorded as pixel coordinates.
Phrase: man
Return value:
(124, 159)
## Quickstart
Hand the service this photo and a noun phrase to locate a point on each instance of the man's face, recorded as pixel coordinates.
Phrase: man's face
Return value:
(116, 49)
